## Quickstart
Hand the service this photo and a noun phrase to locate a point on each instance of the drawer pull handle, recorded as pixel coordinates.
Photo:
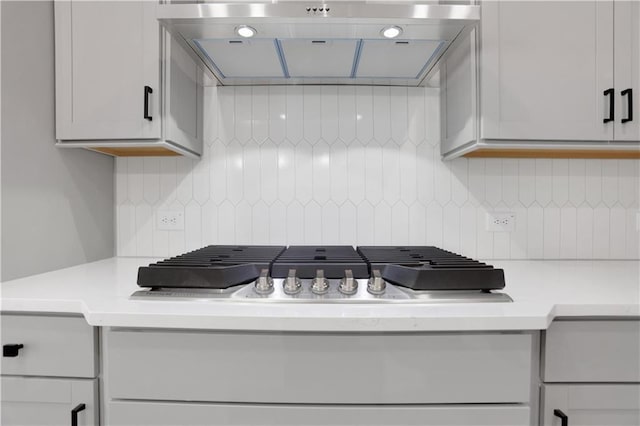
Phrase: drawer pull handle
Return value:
(147, 91)
(609, 92)
(74, 414)
(563, 417)
(11, 351)
(629, 94)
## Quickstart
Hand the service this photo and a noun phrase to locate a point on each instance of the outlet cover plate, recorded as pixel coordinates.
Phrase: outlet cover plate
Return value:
(500, 221)
(170, 220)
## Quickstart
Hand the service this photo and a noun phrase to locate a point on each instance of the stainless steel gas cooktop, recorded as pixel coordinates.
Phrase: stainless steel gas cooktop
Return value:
(323, 274)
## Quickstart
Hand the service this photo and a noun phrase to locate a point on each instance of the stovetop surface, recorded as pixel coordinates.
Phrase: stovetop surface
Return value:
(366, 274)
(392, 295)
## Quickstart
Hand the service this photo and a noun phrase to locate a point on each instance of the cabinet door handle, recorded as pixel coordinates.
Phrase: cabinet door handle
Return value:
(11, 350)
(74, 413)
(563, 417)
(147, 91)
(609, 92)
(629, 94)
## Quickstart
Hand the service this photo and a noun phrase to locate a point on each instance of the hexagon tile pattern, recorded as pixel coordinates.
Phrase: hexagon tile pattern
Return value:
(361, 165)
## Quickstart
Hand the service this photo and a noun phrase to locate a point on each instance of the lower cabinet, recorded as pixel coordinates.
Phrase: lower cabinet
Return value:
(591, 372)
(28, 401)
(591, 405)
(321, 368)
(161, 377)
(124, 413)
(58, 346)
(591, 351)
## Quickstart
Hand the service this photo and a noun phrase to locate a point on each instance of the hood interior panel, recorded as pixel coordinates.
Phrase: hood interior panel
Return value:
(233, 58)
(319, 57)
(396, 59)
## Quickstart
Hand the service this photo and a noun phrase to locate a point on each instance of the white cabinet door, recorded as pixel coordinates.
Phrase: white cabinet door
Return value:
(592, 351)
(57, 346)
(591, 405)
(544, 68)
(458, 95)
(627, 70)
(48, 402)
(440, 368)
(125, 413)
(106, 53)
(183, 97)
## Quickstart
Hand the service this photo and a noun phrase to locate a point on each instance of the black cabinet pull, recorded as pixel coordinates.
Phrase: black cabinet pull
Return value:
(609, 92)
(11, 350)
(147, 91)
(629, 94)
(74, 414)
(563, 417)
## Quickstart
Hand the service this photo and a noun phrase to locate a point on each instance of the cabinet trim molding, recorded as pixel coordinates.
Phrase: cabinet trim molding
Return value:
(552, 153)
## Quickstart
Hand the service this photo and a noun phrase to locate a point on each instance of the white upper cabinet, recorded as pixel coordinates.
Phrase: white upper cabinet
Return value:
(458, 95)
(115, 72)
(545, 79)
(627, 70)
(104, 59)
(544, 69)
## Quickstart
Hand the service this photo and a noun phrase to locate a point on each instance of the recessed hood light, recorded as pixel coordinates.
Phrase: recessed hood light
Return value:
(246, 31)
(392, 31)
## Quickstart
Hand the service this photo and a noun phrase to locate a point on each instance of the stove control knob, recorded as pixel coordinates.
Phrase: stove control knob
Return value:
(264, 283)
(292, 284)
(320, 285)
(376, 284)
(348, 285)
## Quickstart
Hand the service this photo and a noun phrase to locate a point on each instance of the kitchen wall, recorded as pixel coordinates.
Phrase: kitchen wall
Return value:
(345, 165)
(56, 205)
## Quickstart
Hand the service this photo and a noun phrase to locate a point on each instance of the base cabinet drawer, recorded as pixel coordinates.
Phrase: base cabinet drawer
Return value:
(51, 346)
(592, 351)
(30, 401)
(123, 413)
(438, 368)
(591, 405)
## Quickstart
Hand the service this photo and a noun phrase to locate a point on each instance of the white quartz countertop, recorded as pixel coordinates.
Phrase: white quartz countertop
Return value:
(541, 290)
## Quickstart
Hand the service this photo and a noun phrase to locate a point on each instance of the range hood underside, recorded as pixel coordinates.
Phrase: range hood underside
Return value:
(294, 46)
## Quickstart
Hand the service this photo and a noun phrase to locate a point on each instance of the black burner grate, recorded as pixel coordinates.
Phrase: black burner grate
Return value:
(432, 268)
(210, 267)
(417, 267)
(333, 260)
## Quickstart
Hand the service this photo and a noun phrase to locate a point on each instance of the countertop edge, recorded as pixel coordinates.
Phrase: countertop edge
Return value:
(473, 322)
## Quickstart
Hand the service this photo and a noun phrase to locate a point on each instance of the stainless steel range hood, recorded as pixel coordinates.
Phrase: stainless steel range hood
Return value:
(338, 42)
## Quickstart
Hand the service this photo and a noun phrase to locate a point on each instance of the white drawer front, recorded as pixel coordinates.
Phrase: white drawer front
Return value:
(123, 413)
(319, 368)
(592, 351)
(53, 346)
(591, 405)
(28, 401)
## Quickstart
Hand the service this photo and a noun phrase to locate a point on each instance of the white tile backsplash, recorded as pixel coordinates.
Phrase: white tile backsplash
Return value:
(361, 165)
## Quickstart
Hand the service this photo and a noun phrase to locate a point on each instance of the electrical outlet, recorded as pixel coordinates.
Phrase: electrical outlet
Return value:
(500, 221)
(170, 220)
